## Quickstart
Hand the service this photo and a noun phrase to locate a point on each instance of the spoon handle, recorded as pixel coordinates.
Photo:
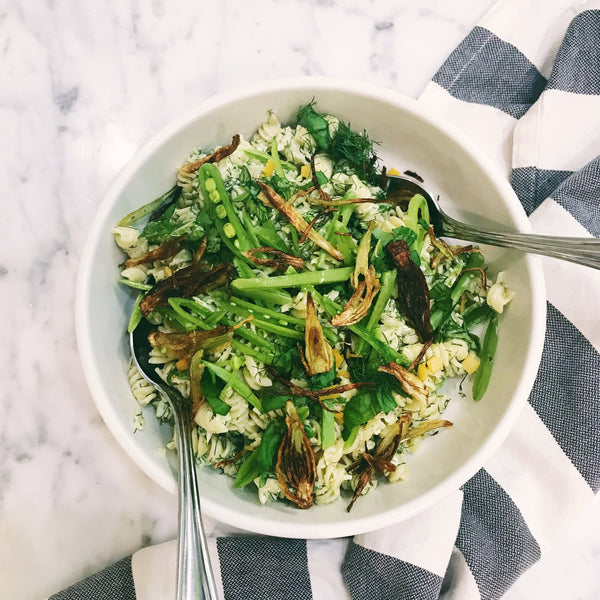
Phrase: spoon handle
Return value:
(195, 580)
(582, 251)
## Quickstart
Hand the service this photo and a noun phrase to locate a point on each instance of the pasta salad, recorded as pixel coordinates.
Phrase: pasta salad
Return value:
(310, 320)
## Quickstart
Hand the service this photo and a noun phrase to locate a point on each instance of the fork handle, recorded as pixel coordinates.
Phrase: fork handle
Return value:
(582, 251)
(195, 580)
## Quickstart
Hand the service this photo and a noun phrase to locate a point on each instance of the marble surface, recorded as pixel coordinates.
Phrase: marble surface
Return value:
(82, 85)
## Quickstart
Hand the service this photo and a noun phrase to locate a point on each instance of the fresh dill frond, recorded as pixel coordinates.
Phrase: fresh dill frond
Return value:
(356, 149)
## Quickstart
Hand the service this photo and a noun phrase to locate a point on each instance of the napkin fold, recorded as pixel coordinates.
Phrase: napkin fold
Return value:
(525, 85)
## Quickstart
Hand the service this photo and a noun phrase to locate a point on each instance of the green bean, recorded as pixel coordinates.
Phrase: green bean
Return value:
(439, 315)
(417, 204)
(253, 308)
(264, 157)
(294, 280)
(388, 281)
(488, 350)
(268, 359)
(135, 284)
(136, 314)
(233, 228)
(271, 297)
(237, 384)
(147, 209)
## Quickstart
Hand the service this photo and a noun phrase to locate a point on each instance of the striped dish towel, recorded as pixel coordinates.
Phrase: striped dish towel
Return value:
(525, 84)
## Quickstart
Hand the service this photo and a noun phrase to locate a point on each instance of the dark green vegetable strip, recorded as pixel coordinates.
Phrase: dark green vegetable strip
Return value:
(248, 471)
(249, 226)
(237, 384)
(268, 236)
(475, 261)
(144, 211)
(136, 285)
(417, 205)
(261, 310)
(217, 405)
(210, 171)
(136, 315)
(439, 315)
(264, 157)
(316, 125)
(488, 350)
(264, 357)
(272, 297)
(294, 280)
(388, 280)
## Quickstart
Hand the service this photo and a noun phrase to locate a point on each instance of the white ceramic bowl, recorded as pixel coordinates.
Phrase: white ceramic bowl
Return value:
(411, 137)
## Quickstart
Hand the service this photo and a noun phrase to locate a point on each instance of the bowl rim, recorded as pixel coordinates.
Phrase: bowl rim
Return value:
(256, 522)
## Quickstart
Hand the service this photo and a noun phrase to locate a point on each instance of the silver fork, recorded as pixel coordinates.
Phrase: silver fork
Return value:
(583, 251)
(195, 580)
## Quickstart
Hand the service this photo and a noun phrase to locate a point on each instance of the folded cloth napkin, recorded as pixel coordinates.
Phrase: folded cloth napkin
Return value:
(525, 84)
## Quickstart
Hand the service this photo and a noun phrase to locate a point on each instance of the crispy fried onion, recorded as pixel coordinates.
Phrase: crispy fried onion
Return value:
(446, 252)
(185, 283)
(409, 382)
(381, 459)
(316, 395)
(295, 466)
(296, 220)
(183, 346)
(166, 250)
(281, 260)
(199, 254)
(304, 236)
(216, 156)
(413, 293)
(230, 461)
(318, 354)
(424, 428)
(365, 282)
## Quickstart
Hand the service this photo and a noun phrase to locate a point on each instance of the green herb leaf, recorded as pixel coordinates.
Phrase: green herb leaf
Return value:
(316, 125)
(267, 451)
(357, 412)
(248, 471)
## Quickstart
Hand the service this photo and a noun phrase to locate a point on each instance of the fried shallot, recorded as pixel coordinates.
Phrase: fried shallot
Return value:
(281, 259)
(296, 219)
(183, 345)
(166, 250)
(381, 459)
(413, 291)
(409, 382)
(316, 395)
(318, 353)
(295, 468)
(216, 156)
(185, 283)
(365, 282)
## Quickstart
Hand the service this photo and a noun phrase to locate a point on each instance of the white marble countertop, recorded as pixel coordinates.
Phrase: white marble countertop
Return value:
(82, 86)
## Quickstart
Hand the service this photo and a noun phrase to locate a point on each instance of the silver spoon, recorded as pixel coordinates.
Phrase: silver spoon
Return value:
(582, 251)
(195, 580)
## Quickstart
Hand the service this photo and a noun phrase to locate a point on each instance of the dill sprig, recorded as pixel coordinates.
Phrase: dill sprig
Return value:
(356, 149)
